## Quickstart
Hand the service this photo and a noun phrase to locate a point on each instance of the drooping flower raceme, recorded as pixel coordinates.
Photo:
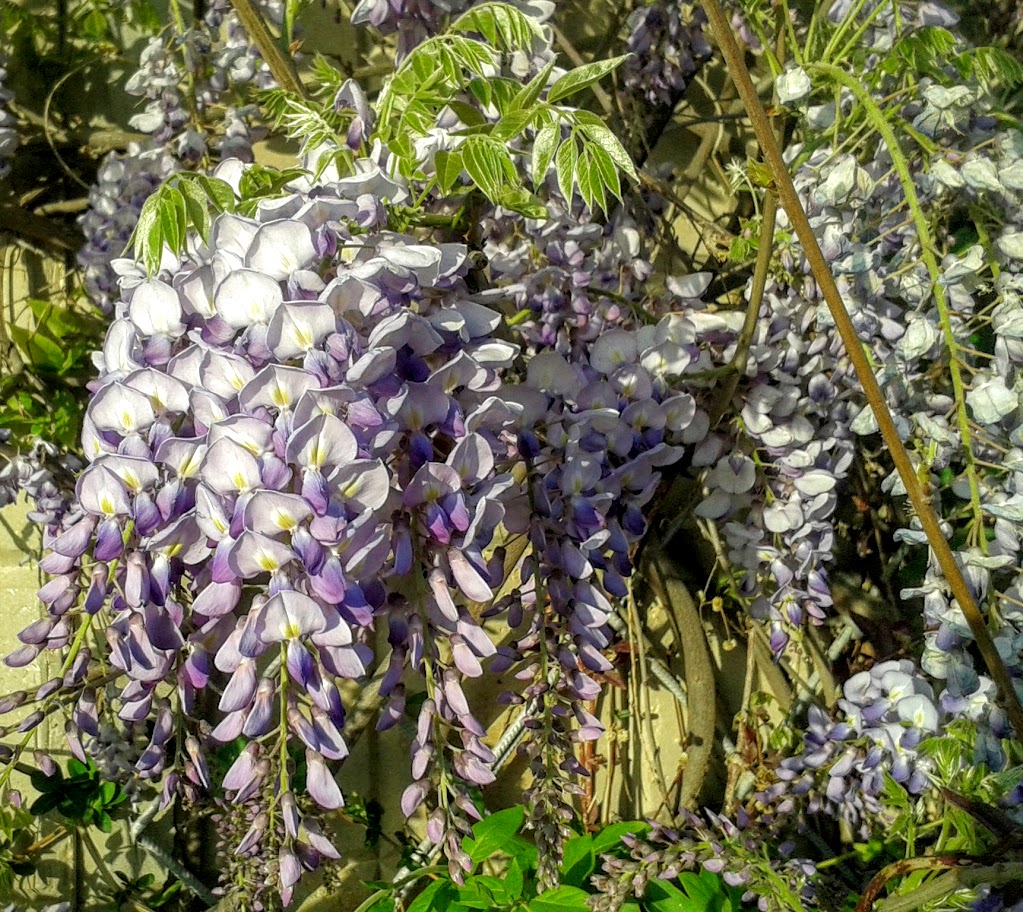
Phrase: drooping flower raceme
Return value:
(308, 426)
(187, 79)
(884, 715)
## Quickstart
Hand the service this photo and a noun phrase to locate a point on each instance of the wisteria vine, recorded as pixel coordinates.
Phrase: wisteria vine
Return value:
(431, 383)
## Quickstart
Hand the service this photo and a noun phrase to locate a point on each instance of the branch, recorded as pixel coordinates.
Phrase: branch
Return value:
(673, 594)
(282, 68)
(964, 876)
(39, 230)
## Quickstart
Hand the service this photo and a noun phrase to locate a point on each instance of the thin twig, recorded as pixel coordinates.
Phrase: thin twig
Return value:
(749, 326)
(765, 249)
(63, 207)
(39, 230)
(995, 875)
(175, 867)
(900, 869)
(639, 695)
(282, 68)
(657, 668)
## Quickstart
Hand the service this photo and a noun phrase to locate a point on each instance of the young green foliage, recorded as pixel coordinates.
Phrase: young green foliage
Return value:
(181, 204)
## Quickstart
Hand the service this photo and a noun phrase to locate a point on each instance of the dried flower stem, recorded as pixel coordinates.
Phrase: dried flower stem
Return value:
(822, 274)
(995, 875)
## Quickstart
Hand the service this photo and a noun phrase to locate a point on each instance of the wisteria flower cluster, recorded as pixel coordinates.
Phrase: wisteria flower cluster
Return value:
(123, 184)
(803, 416)
(412, 20)
(45, 476)
(8, 122)
(307, 427)
(741, 851)
(885, 714)
(195, 83)
(667, 48)
(399, 396)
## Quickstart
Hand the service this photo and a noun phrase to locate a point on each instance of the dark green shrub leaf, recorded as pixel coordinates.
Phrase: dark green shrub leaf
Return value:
(492, 833)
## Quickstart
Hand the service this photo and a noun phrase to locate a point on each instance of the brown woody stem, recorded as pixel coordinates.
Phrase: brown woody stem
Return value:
(282, 68)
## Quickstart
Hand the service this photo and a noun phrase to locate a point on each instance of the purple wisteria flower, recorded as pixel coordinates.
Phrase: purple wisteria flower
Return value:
(884, 715)
(309, 426)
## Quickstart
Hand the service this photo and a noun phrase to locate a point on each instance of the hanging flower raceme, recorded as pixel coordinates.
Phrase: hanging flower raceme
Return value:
(310, 423)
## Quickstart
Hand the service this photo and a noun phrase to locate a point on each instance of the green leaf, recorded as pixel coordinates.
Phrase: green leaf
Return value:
(577, 79)
(605, 139)
(923, 50)
(145, 16)
(664, 896)
(469, 115)
(565, 163)
(488, 164)
(45, 784)
(560, 899)
(492, 833)
(327, 78)
(514, 880)
(990, 64)
(46, 803)
(311, 123)
(174, 218)
(220, 193)
(606, 170)
(62, 322)
(76, 768)
(146, 241)
(530, 93)
(107, 792)
(103, 820)
(511, 125)
(520, 849)
(610, 838)
(503, 26)
(577, 862)
(438, 895)
(469, 897)
(544, 146)
(482, 168)
(503, 93)
(705, 887)
(196, 207)
(483, 892)
(519, 199)
(94, 26)
(40, 350)
(482, 91)
(449, 168)
(402, 147)
(591, 187)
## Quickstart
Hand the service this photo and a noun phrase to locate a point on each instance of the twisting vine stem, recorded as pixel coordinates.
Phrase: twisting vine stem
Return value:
(822, 274)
